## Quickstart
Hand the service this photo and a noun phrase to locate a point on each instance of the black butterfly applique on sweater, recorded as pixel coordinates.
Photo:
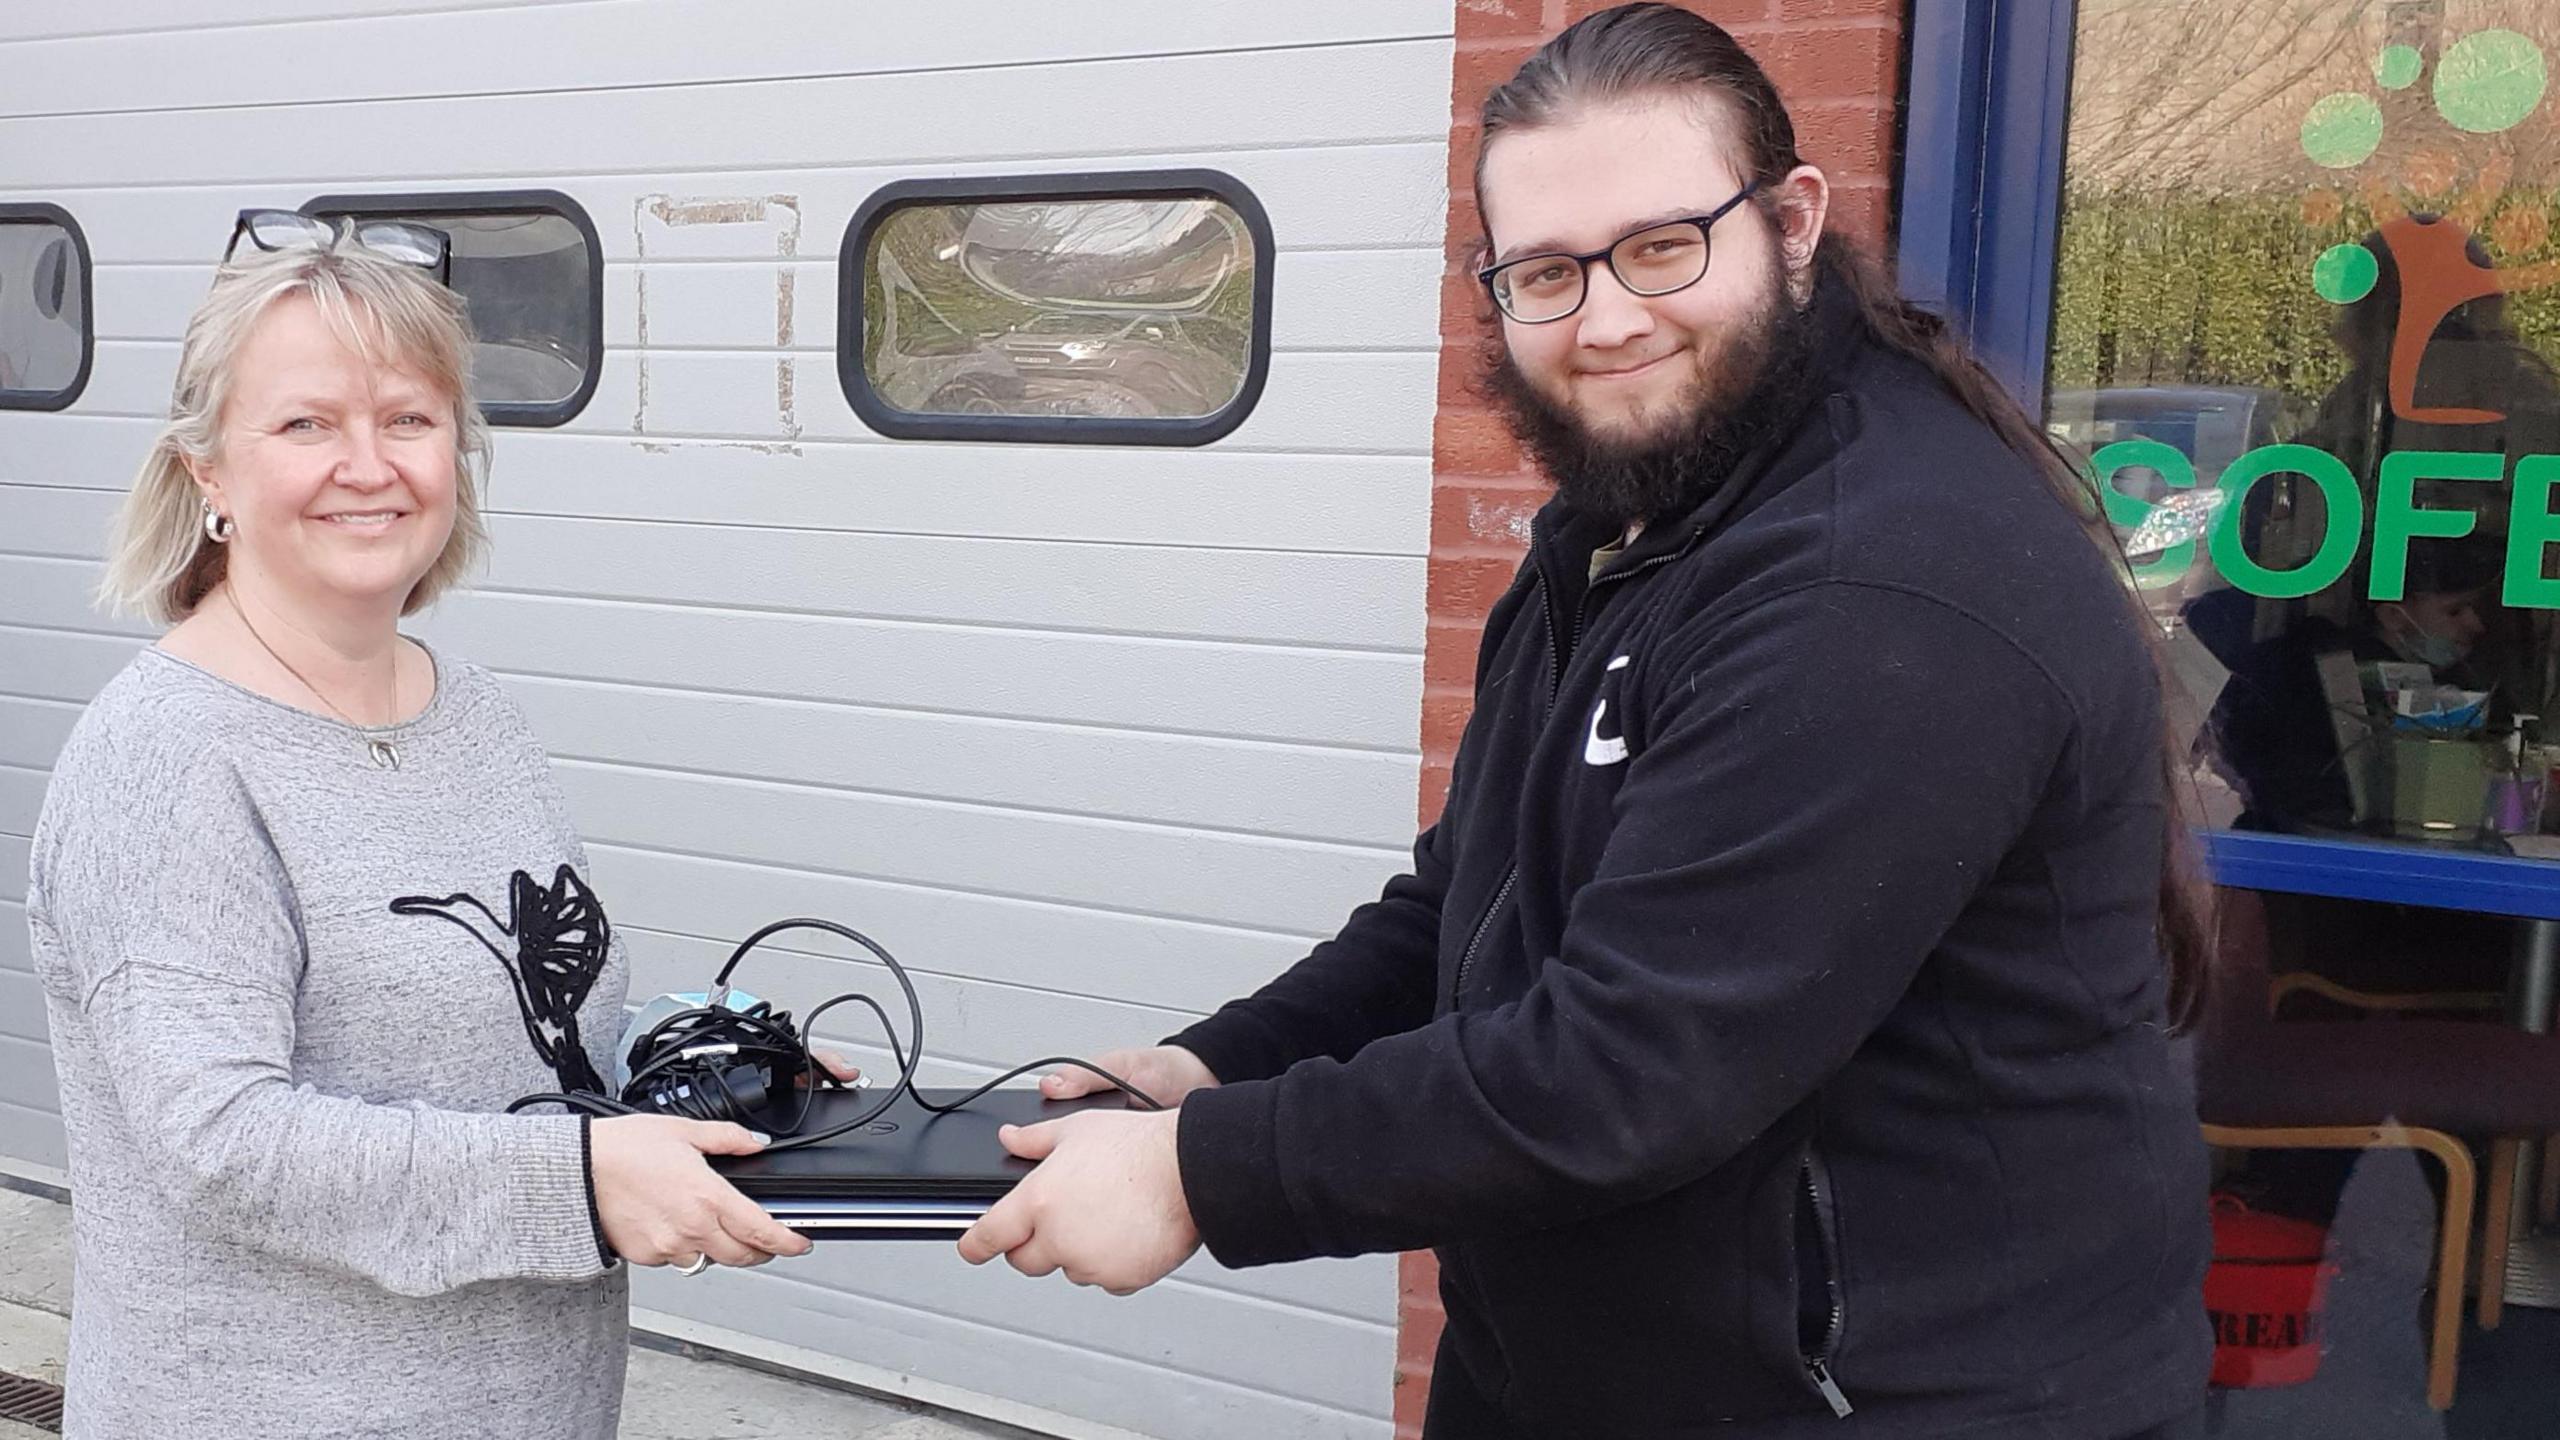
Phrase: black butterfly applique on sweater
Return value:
(561, 942)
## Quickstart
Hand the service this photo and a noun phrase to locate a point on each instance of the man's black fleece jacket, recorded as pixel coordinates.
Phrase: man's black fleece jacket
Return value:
(1777, 1003)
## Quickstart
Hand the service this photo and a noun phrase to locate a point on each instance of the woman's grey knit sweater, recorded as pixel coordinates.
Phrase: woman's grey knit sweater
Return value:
(296, 1209)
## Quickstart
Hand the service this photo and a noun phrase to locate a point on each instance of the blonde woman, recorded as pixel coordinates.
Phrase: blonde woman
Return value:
(297, 1208)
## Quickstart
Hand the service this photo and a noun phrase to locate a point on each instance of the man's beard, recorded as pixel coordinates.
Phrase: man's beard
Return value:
(1724, 414)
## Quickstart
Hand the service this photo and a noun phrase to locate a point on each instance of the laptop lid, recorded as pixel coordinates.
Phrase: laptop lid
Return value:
(909, 1153)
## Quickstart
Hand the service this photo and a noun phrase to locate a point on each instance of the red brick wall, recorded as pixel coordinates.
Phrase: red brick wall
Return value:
(1836, 62)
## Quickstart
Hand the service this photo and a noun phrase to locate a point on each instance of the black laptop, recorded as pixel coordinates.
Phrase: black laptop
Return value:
(909, 1175)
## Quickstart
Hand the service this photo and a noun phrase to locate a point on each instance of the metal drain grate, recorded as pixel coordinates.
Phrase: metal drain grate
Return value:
(31, 1401)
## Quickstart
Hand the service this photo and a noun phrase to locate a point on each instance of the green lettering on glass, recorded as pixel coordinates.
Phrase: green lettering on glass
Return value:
(2530, 528)
(2396, 516)
(2337, 547)
(2130, 511)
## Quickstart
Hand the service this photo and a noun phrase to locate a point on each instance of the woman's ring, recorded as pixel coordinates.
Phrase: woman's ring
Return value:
(700, 1264)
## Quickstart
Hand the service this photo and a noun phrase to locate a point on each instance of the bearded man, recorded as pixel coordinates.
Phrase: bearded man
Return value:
(1775, 1027)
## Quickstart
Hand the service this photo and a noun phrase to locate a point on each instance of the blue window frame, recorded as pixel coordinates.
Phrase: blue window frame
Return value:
(1981, 177)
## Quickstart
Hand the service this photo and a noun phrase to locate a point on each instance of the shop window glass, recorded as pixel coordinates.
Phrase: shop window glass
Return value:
(1118, 308)
(44, 308)
(530, 272)
(2305, 326)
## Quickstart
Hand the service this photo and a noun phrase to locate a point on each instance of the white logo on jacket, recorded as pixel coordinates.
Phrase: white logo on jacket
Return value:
(1602, 749)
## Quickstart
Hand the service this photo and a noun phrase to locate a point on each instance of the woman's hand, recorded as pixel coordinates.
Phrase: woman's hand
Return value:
(662, 1205)
(1165, 1072)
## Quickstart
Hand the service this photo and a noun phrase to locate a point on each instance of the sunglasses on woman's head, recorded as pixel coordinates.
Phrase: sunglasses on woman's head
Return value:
(423, 246)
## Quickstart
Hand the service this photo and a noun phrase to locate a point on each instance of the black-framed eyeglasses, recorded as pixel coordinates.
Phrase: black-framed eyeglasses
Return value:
(409, 243)
(1655, 260)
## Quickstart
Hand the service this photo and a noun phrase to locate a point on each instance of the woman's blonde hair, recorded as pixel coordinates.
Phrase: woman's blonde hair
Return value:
(161, 563)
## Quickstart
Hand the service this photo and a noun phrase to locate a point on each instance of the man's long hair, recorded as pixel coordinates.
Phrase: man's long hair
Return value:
(1647, 50)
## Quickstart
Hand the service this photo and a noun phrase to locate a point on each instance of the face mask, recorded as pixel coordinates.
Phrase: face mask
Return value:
(2435, 649)
(2429, 648)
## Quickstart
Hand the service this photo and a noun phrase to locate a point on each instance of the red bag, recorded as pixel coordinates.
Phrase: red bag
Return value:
(2265, 1292)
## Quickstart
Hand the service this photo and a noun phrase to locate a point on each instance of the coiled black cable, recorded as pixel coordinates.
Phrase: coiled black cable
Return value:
(710, 1062)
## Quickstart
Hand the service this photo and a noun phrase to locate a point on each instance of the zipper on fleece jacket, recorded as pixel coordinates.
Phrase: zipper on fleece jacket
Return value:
(1817, 1361)
(1561, 647)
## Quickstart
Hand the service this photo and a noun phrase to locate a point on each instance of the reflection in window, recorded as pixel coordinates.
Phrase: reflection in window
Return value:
(44, 308)
(2306, 314)
(527, 268)
(1073, 309)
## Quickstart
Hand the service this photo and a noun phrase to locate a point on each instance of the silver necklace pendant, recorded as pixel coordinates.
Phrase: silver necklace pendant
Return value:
(385, 755)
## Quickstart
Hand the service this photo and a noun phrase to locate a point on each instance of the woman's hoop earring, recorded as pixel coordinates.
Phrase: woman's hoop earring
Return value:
(217, 526)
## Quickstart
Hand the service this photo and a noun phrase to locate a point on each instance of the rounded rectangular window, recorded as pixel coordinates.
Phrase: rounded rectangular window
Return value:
(531, 274)
(45, 334)
(1127, 308)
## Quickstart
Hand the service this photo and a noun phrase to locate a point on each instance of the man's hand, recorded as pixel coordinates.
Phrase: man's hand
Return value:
(836, 1065)
(1165, 1072)
(1105, 1206)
